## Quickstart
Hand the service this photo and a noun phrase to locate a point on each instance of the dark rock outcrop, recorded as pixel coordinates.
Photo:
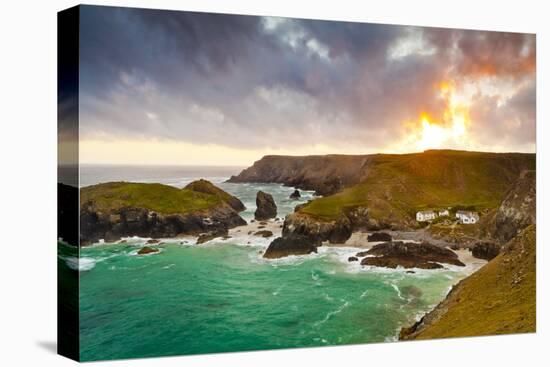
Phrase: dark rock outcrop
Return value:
(291, 245)
(379, 237)
(518, 209)
(210, 235)
(485, 250)
(264, 234)
(337, 231)
(126, 222)
(265, 206)
(295, 195)
(409, 255)
(147, 250)
(352, 258)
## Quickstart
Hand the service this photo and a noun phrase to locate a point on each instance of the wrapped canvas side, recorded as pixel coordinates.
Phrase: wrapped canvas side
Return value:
(68, 343)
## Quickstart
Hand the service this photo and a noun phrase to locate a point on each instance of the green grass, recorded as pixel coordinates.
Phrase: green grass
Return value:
(206, 187)
(500, 298)
(400, 185)
(156, 197)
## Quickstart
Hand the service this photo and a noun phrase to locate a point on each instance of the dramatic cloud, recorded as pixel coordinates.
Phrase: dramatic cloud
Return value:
(256, 83)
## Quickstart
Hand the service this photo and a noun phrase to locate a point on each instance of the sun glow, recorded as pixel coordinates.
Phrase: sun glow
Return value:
(450, 130)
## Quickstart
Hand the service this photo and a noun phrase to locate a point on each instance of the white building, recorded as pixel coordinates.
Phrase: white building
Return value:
(425, 215)
(467, 217)
(443, 213)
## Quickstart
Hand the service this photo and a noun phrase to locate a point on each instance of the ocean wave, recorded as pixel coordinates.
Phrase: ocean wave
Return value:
(80, 264)
(330, 314)
(398, 291)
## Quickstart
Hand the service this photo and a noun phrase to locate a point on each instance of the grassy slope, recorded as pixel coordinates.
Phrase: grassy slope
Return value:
(157, 197)
(498, 299)
(206, 187)
(403, 184)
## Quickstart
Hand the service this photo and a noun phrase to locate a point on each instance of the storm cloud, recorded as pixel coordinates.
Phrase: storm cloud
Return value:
(254, 82)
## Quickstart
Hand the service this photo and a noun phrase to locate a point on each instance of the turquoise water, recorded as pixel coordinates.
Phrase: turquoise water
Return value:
(224, 297)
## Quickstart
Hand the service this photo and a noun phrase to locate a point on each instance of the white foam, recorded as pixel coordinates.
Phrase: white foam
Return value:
(80, 264)
(398, 291)
(332, 313)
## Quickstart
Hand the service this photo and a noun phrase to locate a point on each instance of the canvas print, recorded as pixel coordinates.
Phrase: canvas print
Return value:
(235, 183)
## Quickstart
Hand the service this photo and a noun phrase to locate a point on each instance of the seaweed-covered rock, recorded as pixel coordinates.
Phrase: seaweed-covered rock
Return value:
(410, 255)
(147, 250)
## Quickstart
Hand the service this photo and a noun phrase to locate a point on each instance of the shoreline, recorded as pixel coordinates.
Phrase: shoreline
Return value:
(246, 235)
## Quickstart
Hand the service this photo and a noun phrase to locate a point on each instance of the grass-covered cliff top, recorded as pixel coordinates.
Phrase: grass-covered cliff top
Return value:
(404, 184)
(500, 298)
(152, 196)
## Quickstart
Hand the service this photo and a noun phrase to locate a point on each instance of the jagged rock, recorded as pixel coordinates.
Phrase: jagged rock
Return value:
(379, 237)
(295, 195)
(485, 250)
(205, 237)
(337, 231)
(410, 255)
(152, 241)
(262, 223)
(291, 245)
(352, 258)
(264, 233)
(265, 206)
(147, 250)
(518, 209)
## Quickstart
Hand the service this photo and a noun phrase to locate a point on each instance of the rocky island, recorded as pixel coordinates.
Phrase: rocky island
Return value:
(114, 210)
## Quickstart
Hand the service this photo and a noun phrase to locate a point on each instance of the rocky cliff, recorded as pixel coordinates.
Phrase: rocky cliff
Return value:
(518, 209)
(390, 188)
(118, 209)
(326, 174)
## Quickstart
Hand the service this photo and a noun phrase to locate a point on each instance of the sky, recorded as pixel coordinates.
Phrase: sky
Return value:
(171, 87)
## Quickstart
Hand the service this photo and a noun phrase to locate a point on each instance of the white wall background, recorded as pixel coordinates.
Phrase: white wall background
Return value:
(28, 181)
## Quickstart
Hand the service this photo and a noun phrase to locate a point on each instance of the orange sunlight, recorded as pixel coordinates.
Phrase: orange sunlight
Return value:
(450, 129)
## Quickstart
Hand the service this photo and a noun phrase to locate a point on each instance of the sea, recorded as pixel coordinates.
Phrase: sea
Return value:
(223, 296)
